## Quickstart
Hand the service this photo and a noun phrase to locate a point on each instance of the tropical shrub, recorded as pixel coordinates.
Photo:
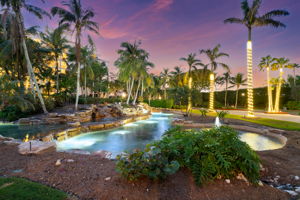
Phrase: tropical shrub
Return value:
(203, 112)
(221, 114)
(162, 103)
(209, 154)
(293, 105)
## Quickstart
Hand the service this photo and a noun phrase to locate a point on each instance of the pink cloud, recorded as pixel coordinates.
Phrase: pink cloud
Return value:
(162, 4)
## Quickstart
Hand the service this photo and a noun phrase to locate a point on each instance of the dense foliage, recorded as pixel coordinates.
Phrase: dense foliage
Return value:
(293, 105)
(209, 154)
(162, 103)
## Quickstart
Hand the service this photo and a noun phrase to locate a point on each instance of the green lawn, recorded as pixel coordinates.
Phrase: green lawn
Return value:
(21, 189)
(285, 125)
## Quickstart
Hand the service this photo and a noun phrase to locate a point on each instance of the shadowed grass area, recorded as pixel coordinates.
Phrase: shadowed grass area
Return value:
(20, 189)
(285, 125)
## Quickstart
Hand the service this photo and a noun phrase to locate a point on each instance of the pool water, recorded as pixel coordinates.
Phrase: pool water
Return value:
(138, 134)
(20, 131)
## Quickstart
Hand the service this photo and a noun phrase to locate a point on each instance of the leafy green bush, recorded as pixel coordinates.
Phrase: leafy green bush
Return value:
(221, 114)
(209, 154)
(11, 113)
(203, 112)
(162, 103)
(293, 105)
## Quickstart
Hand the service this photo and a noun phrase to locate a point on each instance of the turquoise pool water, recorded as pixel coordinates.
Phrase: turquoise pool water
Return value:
(19, 131)
(138, 134)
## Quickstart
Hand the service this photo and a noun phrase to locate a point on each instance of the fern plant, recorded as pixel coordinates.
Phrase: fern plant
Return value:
(209, 154)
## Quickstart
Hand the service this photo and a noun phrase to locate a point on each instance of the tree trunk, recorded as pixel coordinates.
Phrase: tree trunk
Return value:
(142, 90)
(57, 74)
(236, 97)
(78, 47)
(137, 91)
(270, 96)
(28, 62)
(226, 90)
(211, 92)
(85, 91)
(130, 89)
(250, 100)
(278, 91)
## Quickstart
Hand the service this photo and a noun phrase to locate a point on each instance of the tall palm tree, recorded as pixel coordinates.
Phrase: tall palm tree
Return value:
(213, 55)
(133, 65)
(165, 75)
(279, 64)
(192, 64)
(56, 43)
(16, 6)
(80, 18)
(252, 19)
(266, 63)
(237, 81)
(177, 76)
(226, 77)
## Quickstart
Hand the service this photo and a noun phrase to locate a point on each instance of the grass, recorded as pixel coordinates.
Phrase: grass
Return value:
(21, 189)
(284, 125)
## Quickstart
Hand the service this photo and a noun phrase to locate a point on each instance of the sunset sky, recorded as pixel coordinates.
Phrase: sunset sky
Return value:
(170, 29)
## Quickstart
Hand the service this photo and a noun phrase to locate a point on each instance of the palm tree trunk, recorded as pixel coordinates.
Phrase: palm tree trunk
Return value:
(249, 75)
(236, 97)
(57, 74)
(211, 92)
(142, 89)
(28, 62)
(226, 90)
(270, 96)
(278, 91)
(130, 90)
(85, 91)
(78, 67)
(137, 91)
(189, 107)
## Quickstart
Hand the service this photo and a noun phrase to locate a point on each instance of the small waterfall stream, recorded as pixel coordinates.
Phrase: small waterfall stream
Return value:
(217, 122)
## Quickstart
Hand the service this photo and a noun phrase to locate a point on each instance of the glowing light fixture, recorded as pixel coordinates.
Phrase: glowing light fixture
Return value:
(211, 92)
(250, 79)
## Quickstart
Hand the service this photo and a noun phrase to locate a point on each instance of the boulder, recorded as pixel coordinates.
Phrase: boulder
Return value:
(103, 154)
(37, 147)
(24, 121)
(74, 124)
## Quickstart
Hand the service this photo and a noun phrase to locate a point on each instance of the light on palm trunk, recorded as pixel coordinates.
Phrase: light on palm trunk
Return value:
(250, 79)
(211, 92)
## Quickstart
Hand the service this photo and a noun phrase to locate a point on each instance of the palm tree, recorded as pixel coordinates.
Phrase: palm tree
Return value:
(80, 18)
(165, 75)
(213, 55)
(17, 6)
(133, 65)
(177, 76)
(237, 81)
(226, 77)
(279, 64)
(252, 19)
(192, 64)
(56, 43)
(266, 63)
